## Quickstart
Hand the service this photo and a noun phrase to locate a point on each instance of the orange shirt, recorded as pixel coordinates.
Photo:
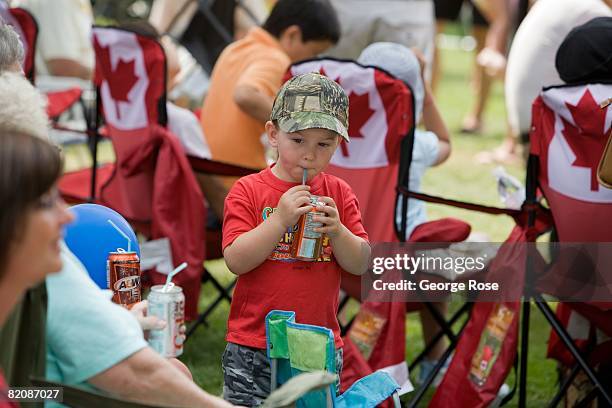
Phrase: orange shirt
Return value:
(233, 136)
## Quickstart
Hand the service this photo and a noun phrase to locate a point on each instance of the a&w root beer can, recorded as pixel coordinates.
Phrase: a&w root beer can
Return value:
(123, 277)
(167, 305)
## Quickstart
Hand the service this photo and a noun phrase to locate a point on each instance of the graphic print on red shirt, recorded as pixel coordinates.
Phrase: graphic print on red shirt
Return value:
(282, 283)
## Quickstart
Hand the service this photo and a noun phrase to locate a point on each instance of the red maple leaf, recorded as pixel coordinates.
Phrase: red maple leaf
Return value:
(120, 80)
(360, 113)
(586, 139)
(322, 72)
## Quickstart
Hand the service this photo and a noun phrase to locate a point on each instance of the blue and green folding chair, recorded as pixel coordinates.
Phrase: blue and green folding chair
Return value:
(295, 348)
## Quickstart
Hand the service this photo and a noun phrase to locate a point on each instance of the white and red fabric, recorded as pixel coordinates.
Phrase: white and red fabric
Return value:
(569, 132)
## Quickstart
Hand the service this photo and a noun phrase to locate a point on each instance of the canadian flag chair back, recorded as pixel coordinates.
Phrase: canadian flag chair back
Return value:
(380, 118)
(130, 77)
(153, 181)
(568, 135)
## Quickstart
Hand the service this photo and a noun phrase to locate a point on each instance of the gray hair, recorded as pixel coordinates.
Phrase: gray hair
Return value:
(22, 107)
(11, 48)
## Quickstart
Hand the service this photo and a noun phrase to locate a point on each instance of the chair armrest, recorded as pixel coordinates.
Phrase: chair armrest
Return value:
(78, 397)
(207, 166)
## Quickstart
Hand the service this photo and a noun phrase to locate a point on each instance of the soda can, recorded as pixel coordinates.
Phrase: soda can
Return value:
(307, 243)
(169, 306)
(123, 277)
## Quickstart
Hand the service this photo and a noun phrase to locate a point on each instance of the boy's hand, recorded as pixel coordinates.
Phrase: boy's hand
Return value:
(331, 222)
(292, 205)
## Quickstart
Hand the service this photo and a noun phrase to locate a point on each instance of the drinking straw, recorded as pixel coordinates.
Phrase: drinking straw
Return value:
(304, 176)
(123, 234)
(171, 275)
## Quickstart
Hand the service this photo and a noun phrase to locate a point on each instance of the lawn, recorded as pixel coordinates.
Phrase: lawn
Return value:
(459, 178)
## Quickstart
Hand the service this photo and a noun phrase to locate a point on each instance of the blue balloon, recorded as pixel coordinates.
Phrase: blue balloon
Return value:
(91, 237)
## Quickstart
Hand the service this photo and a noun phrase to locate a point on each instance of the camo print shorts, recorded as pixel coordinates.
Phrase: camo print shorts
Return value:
(246, 374)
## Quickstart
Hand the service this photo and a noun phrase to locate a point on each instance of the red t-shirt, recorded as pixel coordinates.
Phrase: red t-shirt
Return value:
(310, 289)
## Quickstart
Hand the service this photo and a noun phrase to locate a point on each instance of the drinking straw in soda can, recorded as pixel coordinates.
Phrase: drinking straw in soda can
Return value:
(129, 241)
(171, 275)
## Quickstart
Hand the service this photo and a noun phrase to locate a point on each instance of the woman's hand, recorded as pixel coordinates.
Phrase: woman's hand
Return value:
(139, 311)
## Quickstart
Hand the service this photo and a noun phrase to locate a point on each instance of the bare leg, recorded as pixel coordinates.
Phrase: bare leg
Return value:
(507, 152)
(214, 192)
(431, 328)
(436, 70)
(472, 123)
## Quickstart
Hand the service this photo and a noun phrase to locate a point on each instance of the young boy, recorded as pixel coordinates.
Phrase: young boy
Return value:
(309, 116)
(249, 72)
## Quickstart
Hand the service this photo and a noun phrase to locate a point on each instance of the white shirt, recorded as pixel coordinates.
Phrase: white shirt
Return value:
(531, 62)
(64, 31)
(186, 127)
(424, 155)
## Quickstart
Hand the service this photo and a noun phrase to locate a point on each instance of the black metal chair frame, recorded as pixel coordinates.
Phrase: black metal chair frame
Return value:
(537, 298)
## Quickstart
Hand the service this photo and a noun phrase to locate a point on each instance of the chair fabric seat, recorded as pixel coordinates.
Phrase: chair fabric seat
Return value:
(75, 186)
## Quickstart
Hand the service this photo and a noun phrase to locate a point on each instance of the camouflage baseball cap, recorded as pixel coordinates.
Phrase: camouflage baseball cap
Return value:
(311, 101)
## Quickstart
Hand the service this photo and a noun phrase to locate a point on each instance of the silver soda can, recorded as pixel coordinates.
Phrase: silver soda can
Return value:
(168, 306)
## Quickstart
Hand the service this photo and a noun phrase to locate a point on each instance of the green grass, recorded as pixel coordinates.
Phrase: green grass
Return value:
(460, 178)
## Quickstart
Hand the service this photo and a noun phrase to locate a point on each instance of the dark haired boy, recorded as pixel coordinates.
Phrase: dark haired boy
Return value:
(249, 72)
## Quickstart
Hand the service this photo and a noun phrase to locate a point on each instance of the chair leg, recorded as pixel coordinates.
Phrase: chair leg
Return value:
(464, 309)
(273, 373)
(524, 353)
(586, 402)
(223, 294)
(420, 393)
(341, 306)
(569, 343)
(563, 387)
(396, 400)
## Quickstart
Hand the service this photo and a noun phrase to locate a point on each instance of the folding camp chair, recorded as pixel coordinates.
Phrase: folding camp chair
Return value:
(375, 162)
(569, 132)
(295, 348)
(131, 87)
